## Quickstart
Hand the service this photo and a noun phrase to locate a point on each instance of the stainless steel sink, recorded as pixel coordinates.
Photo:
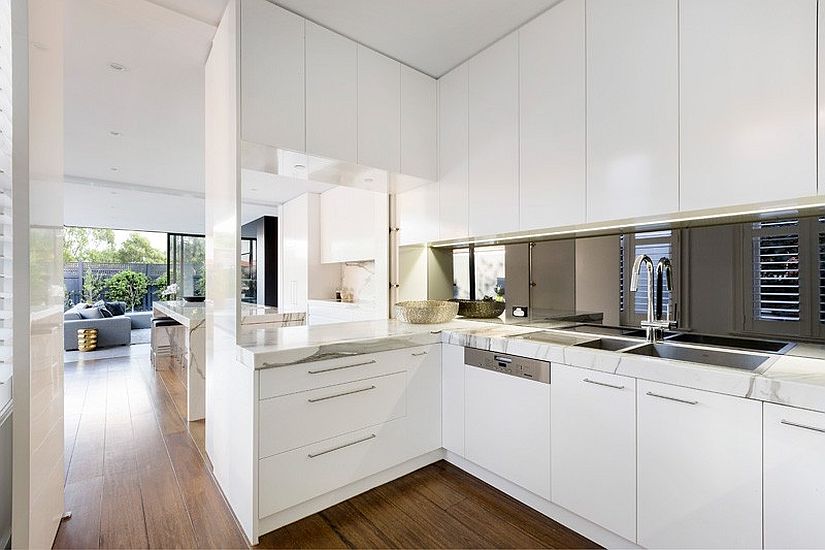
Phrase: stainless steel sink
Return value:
(551, 338)
(732, 359)
(608, 344)
(592, 328)
(769, 346)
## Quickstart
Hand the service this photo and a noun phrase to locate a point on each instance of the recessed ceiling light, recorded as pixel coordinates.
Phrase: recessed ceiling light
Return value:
(299, 166)
(115, 133)
(254, 188)
(114, 168)
(118, 67)
(369, 180)
(113, 192)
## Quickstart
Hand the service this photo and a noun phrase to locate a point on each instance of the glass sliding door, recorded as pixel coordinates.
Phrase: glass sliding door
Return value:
(186, 255)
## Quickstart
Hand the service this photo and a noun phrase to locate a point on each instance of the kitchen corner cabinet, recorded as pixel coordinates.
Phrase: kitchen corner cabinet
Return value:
(748, 101)
(699, 469)
(794, 479)
(379, 110)
(494, 138)
(418, 215)
(593, 446)
(632, 108)
(552, 118)
(272, 75)
(453, 154)
(352, 238)
(452, 398)
(507, 427)
(331, 94)
(419, 124)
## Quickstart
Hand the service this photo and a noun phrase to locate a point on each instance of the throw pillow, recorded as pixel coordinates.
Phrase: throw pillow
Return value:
(91, 313)
(105, 312)
(116, 308)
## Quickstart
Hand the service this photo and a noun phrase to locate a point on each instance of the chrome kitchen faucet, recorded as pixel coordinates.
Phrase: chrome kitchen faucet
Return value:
(654, 325)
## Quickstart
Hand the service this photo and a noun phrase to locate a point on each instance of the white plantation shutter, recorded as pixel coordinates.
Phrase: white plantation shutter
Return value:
(776, 274)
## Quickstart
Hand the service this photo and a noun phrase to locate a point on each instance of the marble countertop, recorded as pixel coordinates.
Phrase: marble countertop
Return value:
(193, 314)
(189, 314)
(785, 379)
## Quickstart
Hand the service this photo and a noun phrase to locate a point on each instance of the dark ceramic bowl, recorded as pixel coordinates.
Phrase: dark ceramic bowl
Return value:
(480, 309)
(194, 298)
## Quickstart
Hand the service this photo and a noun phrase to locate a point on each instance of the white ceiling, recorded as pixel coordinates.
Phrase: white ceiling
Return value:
(432, 36)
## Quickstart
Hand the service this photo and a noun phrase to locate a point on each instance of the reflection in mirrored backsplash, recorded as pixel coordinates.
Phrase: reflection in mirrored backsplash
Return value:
(758, 279)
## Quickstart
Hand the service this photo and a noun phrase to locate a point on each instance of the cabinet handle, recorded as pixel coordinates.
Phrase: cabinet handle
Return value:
(322, 371)
(317, 399)
(605, 384)
(344, 446)
(803, 426)
(685, 401)
(419, 354)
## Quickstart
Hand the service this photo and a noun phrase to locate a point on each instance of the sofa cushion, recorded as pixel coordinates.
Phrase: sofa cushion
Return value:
(117, 308)
(72, 316)
(90, 313)
(105, 312)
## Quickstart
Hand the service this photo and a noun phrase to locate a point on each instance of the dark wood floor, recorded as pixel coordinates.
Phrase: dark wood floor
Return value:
(136, 477)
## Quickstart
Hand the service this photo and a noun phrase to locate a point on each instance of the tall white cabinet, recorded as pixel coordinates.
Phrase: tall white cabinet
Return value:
(632, 108)
(272, 75)
(379, 110)
(331, 94)
(552, 118)
(494, 139)
(419, 124)
(748, 101)
(453, 154)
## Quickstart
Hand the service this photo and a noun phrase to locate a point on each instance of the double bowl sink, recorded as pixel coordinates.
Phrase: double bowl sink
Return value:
(732, 352)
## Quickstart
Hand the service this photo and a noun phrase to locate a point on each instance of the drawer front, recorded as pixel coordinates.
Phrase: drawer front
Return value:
(299, 419)
(318, 374)
(291, 478)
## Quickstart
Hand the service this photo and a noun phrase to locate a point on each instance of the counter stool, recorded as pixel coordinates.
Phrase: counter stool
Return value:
(160, 342)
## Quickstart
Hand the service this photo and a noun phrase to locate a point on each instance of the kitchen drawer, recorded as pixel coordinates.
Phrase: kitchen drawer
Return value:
(318, 374)
(299, 419)
(291, 478)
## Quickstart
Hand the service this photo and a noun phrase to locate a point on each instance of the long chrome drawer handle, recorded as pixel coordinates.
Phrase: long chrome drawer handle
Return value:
(685, 401)
(803, 426)
(322, 371)
(316, 399)
(344, 446)
(419, 354)
(605, 384)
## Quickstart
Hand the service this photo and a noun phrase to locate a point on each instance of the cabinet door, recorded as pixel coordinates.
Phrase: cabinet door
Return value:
(272, 75)
(632, 108)
(331, 94)
(453, 175)
(794, 478)
(552, 109)
(295, 270)
(452, 398)
(418, 215)
(419, 124)
(507, 427)
(699, 468)
(350, 237)
(593, 447)
(379, 110)
(493, 139)
(748, 101)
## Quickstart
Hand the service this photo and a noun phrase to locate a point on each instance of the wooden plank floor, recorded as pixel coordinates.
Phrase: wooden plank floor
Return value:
(136, 477)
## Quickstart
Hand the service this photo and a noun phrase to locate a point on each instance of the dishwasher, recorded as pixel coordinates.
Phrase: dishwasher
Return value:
(507, 417)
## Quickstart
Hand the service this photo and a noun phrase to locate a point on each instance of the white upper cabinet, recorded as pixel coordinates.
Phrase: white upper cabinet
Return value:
(379, 110)
(453, 151)
(350, 218)
(419, 124)
(418, 215)
(552, 117)
(272, 75)
(748, 101)
(331, 94)
(632, 108)
(699, 469)
(794, 477)
(494, 139)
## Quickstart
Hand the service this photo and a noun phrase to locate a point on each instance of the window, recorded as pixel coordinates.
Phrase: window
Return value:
(656, 245)
(461, 274)
(486, 264)
(776, 282)
(186, 263)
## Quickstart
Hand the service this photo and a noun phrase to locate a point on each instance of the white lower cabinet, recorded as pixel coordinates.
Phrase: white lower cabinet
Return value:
(452, 398)
(699, 469)
(507, 427)
(794, 478)
(593, 446)
(351, 418)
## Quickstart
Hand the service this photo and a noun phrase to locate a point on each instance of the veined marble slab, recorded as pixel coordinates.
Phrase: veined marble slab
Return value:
(254, 314)
(189, 314)
(783, 379)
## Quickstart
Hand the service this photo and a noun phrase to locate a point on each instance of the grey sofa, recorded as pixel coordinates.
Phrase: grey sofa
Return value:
(111, 330)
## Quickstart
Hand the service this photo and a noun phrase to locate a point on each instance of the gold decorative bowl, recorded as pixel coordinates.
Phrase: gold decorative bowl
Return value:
(426, 312)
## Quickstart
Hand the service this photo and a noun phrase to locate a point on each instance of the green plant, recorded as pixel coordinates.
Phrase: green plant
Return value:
(127, 286)
(160, 285)
(94, 285)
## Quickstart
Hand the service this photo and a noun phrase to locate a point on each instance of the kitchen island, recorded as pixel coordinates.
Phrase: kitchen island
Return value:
(187, 342)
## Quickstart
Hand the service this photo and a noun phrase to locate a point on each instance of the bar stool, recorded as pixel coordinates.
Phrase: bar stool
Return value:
(160, 342)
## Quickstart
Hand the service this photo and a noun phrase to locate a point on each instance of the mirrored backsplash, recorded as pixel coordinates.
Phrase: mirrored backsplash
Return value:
(756, 279)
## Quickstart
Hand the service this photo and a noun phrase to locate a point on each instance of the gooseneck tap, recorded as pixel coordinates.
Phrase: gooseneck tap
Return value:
(654, 325)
